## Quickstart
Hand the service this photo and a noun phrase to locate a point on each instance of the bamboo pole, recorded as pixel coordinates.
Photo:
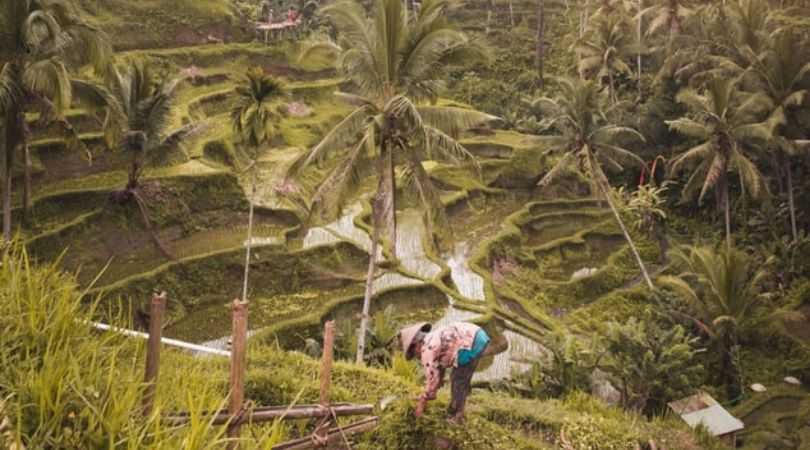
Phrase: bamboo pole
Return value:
(334, 434)
(158, 306)
(268, 414)
(238, 347)
(326, 361)
(322, 431)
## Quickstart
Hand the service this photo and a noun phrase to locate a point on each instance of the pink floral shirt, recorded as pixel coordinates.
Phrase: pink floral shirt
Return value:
(440, 351)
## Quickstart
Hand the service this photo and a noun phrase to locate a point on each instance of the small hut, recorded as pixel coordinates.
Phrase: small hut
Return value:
(702, 409)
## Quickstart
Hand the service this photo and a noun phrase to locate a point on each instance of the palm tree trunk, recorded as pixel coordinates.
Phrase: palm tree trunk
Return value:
(8, 175)
(383, 216)
(388, 191)
(540, 46)
(27, 203)
(372, 267)
(727, 210)
(511, 15)
(134, 169)
(249, 234)
(791, 204)
(638, 57)
(628, 239)
(7, 198)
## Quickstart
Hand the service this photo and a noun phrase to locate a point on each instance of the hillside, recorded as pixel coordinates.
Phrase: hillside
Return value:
(499, 231)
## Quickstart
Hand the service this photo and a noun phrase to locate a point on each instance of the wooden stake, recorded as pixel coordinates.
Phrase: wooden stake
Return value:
(238, 347)
(326, 361)
(322, 432)
(150, 378)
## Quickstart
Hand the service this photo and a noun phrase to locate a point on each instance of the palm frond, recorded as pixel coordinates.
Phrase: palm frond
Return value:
(10, 91)
(568, 159)
(49, 78)
(752, 179)
(340, 136)
(700, 152)
(717, 170)
(441, 147)
(689, 128)
(417, 181)
(331, 196)
(452, 120)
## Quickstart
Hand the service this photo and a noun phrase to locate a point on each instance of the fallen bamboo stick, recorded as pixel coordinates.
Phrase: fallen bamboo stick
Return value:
(286, 413)
(334, 434)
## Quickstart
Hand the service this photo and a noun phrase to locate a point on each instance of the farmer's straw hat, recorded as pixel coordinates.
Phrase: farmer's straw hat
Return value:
(407, 334)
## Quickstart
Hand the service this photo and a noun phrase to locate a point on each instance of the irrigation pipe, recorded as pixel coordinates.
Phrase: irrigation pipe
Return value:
(165, 341)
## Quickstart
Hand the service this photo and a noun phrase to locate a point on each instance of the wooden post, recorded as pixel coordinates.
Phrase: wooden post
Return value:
(322, 432)
(238, 347)
(326, 361)
(150, 378)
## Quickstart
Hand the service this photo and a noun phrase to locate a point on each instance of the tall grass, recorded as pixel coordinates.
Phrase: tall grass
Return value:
(66, 386)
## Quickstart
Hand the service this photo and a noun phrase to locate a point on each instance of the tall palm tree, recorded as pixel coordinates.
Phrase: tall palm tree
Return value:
(781, 73)
(146, 104)
(396, 66)
(254, 120)
(724, 122)
(38, 40)
(139, 109)
(586, 143)
(540, 44)
(721, 289)
(668, 15)
(750, 21)
(603, 50)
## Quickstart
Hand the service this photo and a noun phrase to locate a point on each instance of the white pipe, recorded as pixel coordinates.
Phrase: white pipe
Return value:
(166, 341)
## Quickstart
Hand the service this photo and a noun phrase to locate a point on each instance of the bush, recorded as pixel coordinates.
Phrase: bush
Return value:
(567, 369)
(651, 365)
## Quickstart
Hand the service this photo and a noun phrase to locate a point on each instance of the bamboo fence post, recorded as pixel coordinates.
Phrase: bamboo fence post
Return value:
(326, 361)
(322, 432)
(238, 347)
(158, 306)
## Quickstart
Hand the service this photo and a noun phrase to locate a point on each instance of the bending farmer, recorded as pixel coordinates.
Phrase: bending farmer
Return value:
(458, 346)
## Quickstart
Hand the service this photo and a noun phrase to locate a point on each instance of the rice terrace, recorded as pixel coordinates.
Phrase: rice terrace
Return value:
(384, 224)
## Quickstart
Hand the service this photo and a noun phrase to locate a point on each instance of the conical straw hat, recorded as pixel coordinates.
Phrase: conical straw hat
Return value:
(407, 334)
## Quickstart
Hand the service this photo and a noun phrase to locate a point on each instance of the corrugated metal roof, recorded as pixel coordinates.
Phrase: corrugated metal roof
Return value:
(715, 418)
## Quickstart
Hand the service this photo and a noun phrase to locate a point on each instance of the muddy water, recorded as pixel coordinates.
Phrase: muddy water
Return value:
(343, 229)
(419, 268)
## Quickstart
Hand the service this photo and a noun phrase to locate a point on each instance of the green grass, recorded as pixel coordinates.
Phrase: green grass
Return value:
(66, 386)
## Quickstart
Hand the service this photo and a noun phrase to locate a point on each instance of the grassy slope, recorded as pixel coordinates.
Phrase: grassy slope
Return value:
(187, 22)
(100, 373)
(164, 23)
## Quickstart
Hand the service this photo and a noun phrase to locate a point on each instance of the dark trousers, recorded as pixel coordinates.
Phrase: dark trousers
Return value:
(461, 386)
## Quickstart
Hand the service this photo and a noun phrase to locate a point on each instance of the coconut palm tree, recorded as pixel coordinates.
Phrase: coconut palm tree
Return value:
(603, 51)
(139, 110)
(147, 104)
(396, 66)
(668, 15)
(254, 120)
(781, 73)
(724, 122)
(587, 142)
(750, 20)
(38, 41)
(721, 289)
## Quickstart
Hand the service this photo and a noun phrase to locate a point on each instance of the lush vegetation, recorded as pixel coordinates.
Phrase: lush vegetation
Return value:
(617, 191)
